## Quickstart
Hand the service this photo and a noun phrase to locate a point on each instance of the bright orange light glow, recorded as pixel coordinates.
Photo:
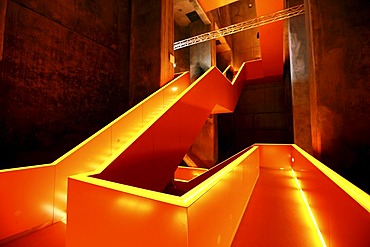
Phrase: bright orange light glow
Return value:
(58, 213)
(174, 89)
(64, 220)
(135, 204)
(185, 201)
(308, 209)
(186, 174)
(356, 193)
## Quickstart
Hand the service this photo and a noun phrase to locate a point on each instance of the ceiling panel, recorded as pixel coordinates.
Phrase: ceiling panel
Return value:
(180, 9)
(208, 5)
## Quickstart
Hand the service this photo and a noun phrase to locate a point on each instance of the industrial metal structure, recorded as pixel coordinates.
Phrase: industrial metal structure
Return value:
(242, 26)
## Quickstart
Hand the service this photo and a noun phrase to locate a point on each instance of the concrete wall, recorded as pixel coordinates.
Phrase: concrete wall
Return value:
(339, 59)
(246, 44)
(201, 57)
(182, 55)
(263, 115)
(223, 59)
(3, 4)
(299, 79)
(222, 17)
(63, 75)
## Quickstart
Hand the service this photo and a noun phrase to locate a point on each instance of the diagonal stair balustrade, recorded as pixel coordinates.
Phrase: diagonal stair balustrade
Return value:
(153, 157)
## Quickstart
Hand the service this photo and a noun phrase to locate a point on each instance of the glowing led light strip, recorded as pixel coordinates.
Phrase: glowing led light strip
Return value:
(309, 209)
(356, 193)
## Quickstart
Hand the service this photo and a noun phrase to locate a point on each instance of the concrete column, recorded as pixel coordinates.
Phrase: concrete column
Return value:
(182, 55)
(204, 150)
(202, 57)
(299, 79)
(339, 59)
(152, 38)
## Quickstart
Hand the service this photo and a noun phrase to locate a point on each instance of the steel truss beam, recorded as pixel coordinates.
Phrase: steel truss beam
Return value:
(242, 26)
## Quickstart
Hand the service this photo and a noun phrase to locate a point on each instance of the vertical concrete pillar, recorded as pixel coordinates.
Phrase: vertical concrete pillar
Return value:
(152, 38)
(339, 62)
(299, 79)
(181, 55)
(202, 57)
(204, 150)
(2, 25)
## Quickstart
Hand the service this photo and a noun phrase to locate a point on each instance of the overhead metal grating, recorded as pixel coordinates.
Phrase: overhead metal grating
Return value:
(242, 26)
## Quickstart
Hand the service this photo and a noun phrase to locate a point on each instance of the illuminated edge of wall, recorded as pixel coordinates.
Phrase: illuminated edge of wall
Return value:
(183, 201)
(105, 128)
(238, 73)
(199, 190)
(25, 168)
(201, 171)
(225, 70)
(353, 191)
(304, 198)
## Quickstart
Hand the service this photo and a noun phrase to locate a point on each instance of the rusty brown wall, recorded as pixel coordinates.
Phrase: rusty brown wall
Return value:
(3, 4)
(299, 79)
(63, 76)
(223, 60)
(201, 55)
(152, 37)
(339, 58)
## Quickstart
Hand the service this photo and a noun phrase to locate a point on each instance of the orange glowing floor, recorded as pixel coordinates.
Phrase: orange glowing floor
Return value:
(51, 236)
(275, 216)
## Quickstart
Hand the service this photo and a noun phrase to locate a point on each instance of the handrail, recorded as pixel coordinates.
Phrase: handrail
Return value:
(183, 187)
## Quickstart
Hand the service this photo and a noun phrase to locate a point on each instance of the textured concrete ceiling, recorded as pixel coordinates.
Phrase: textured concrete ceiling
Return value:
(225, 13)
(181, 8)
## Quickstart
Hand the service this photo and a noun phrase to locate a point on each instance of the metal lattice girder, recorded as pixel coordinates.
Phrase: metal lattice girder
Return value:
(242, 26)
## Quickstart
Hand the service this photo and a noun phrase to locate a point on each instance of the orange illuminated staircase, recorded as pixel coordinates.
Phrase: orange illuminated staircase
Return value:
(268, 195)
(158, 131)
